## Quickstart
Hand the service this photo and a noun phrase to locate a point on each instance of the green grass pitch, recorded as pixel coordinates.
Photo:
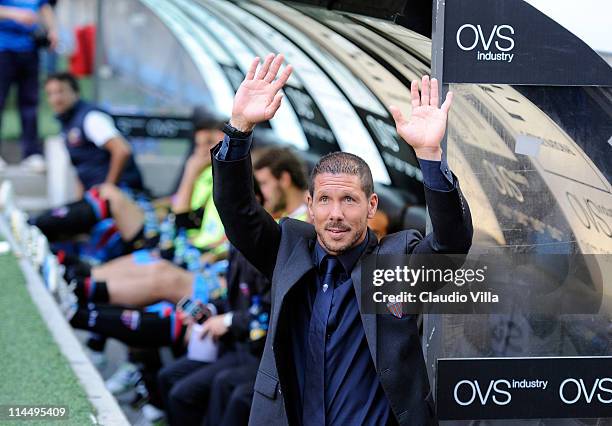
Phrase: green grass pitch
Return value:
(32, 368)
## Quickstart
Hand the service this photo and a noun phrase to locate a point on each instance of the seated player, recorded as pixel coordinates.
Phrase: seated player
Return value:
(100, 154)
(162, 325)
(143, 278)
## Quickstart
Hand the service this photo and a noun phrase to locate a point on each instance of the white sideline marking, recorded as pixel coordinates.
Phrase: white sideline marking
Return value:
(108, 411)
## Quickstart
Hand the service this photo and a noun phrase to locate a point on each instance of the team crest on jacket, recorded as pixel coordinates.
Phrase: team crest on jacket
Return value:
(395, 309)
(131, 319)
(74, 136)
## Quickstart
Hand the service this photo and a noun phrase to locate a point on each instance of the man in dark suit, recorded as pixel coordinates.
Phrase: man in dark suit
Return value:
(326, 361)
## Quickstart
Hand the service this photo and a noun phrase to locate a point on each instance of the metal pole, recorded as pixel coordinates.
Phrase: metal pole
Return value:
(432, 324)
(437, 52)
(437, 63)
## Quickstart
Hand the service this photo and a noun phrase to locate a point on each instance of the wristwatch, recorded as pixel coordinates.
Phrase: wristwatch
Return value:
(233, 132)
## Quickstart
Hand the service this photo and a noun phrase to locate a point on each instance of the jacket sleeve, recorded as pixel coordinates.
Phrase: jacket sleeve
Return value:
(451, 223)
(247, 225)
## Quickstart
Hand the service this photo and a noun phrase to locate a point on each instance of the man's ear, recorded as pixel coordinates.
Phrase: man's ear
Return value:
(372, 205)
(309, 204)
(285, 179)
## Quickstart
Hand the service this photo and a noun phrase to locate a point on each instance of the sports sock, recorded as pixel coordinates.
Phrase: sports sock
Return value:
(131, 326)
(89, 290)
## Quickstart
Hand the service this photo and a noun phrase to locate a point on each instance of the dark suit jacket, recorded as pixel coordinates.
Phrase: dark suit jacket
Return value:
(283, 253)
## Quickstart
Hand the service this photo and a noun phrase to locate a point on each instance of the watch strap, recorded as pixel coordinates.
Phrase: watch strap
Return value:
(233, 132)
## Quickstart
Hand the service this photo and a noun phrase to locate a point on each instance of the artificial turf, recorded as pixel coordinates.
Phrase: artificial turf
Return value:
(32, 368)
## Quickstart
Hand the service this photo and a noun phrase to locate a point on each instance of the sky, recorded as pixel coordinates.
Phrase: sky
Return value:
(591, 20)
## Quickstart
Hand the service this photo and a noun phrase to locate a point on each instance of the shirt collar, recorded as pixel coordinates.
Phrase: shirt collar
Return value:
(300, 213)
(348, 259)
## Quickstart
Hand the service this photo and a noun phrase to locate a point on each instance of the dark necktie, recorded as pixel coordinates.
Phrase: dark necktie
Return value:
(314, 374)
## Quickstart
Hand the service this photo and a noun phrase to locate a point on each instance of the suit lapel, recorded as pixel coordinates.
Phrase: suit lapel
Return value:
(368, 320)
(297, 265)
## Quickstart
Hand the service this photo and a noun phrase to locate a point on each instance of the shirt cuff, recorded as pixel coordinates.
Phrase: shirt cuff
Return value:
(436, 175)
(233, 149)
(228, 319)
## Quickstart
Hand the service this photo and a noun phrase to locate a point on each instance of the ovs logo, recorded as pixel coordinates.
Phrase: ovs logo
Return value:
(573, 390)
(467, 392)
(470, 37)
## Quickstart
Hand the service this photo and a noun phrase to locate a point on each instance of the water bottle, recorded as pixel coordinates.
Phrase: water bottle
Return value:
(216, 289)
(264, 320)
(255, 308)
(150, 220)
(192, 259)
(180, 248)
(150, 224)
(167, 233)
(256, 331)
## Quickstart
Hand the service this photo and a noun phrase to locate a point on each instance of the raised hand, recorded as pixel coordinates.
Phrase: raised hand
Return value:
(427, 125)
(259, 97)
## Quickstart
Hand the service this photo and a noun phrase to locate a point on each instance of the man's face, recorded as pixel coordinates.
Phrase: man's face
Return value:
(275, 199)
(60, 96)
(339, 210)
(205, 140)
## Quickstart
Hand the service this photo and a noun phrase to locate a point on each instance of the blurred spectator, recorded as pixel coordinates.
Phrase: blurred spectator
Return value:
(97, 149)
(379, 224)
(21, 33)
(103, 160)
(282, 178)
(203, 119)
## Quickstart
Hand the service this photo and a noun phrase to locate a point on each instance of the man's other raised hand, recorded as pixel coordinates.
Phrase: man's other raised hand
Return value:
(427, 125)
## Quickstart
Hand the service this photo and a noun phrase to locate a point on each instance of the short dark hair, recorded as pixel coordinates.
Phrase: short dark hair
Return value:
(280, 160)
(65, 77)
(344, 163)
(205, 118)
